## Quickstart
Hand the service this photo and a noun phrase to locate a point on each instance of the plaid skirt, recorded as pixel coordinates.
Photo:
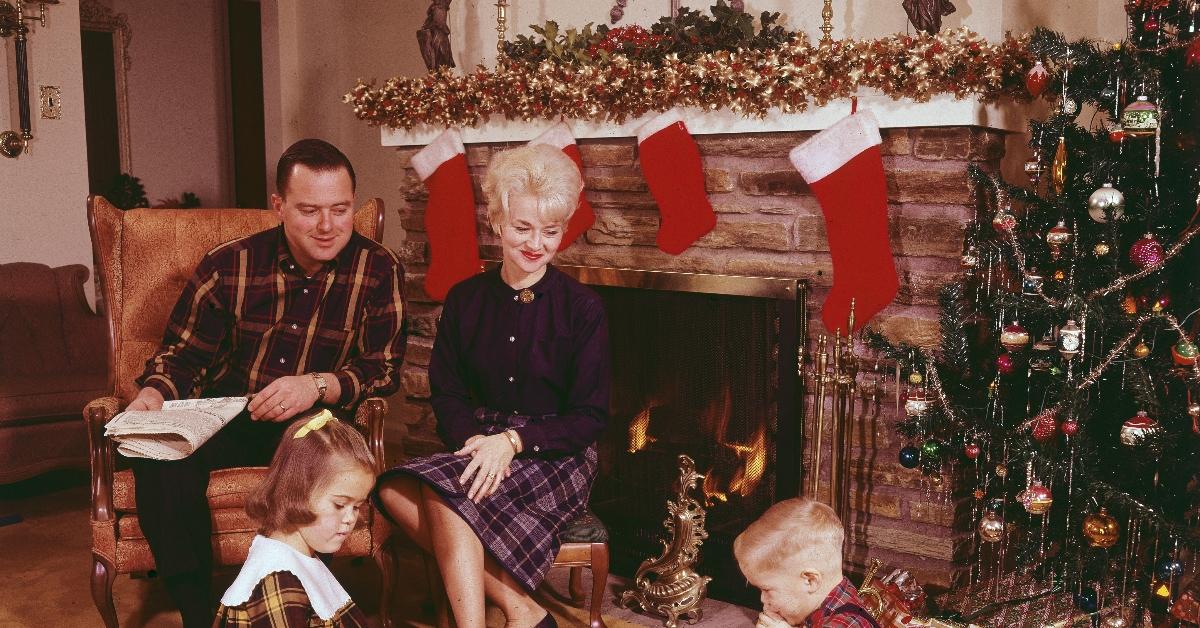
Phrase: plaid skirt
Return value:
(518, 525)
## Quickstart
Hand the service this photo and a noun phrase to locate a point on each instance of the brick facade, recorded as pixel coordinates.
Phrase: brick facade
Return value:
(770, 225)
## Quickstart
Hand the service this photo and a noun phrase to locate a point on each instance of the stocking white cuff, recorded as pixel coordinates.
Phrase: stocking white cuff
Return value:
(830, 149)
(658, 123)
(438, 152)
(558, 136)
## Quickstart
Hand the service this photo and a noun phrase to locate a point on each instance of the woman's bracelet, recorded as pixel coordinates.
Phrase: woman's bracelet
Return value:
(512, 440)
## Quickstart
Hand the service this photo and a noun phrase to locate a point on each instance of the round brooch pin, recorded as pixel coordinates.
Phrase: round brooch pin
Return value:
(525, 295)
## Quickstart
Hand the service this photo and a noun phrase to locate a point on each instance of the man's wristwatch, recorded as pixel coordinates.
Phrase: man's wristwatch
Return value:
(322, 386)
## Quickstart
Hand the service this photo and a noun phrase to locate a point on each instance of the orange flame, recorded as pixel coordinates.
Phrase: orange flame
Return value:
(639, 431)
(711, 494)
(754, 456)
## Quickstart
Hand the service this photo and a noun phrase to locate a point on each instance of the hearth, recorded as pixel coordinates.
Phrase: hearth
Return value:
(703, 365)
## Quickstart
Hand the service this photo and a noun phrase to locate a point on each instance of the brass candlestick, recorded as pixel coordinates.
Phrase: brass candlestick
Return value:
(668, 585)
(827, 22)
(501, 23)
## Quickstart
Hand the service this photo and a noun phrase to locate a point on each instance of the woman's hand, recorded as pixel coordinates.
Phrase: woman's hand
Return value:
(490, 457)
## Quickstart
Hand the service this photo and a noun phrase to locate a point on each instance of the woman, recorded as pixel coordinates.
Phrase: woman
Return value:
(520, 383)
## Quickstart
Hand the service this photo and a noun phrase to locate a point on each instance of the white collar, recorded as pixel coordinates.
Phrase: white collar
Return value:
(268, 556)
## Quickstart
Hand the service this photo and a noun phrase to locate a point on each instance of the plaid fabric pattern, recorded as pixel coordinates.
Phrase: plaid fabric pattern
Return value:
(842, 608)
(519, 524)
(249, 315)
(279, 601)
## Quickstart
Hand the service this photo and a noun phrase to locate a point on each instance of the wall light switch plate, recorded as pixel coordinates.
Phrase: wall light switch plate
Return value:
(51, 96)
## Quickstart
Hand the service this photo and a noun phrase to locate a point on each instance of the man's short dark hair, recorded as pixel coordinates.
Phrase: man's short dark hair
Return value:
(313, 154)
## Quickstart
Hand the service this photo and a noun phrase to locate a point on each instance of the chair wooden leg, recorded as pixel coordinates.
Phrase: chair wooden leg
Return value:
(385, 558)
(102, 580)
(575, 586)
(599, 582)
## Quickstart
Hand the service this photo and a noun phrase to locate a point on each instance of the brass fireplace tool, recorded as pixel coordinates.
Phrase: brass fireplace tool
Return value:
(668, 585)
(835, 374)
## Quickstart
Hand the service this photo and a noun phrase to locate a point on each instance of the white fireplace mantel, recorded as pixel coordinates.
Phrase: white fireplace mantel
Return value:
(942, 110)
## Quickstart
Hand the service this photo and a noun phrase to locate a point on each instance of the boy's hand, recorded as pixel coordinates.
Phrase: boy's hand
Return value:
(770, 620)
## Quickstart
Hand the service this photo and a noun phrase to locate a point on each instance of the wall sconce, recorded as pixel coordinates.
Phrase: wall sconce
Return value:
(12, 24)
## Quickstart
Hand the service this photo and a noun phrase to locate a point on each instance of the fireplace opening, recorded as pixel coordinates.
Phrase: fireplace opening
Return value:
(703, 365)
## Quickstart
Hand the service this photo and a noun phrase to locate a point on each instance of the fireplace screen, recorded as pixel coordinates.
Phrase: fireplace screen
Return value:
(710, 374)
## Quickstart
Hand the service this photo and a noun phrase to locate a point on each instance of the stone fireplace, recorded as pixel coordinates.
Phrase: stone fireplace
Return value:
(769, 226)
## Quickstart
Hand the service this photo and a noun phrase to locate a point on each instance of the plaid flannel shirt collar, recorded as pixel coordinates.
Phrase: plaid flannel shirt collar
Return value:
(286, 263)
(825, 615)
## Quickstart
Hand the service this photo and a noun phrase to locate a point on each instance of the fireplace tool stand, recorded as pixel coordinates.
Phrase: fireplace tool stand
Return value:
(835, 374)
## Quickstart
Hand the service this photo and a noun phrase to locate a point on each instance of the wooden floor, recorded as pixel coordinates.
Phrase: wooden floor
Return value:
(46, 560)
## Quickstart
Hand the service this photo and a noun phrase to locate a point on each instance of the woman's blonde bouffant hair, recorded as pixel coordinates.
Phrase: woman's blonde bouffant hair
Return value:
(300, 467)
(539, 170)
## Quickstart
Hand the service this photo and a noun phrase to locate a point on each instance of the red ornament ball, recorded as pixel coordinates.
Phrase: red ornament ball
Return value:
(1116, 135)
(1150, 25)
(1070, 427)
(1193, 54)
(1147, 252)
(971, 451)
(1004, 363)
(1045, 426)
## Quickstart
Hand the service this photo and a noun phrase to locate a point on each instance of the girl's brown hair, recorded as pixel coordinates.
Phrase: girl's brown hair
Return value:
(300, 467)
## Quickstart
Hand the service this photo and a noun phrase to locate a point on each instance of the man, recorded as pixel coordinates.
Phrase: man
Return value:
(793, 554)
(305, 313)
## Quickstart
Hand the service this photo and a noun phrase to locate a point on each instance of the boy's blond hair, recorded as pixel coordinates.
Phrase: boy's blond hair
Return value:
(794, 534)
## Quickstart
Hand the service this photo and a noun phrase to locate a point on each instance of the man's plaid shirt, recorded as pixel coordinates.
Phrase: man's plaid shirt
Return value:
(249, 315)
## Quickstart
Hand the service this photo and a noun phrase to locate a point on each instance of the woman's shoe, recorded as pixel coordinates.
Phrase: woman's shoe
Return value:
(547, 622)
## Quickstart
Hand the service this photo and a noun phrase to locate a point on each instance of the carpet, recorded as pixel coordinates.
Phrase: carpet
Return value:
(47, 556)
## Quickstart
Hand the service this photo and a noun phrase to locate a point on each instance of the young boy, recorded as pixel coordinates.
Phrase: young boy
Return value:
(793, 554)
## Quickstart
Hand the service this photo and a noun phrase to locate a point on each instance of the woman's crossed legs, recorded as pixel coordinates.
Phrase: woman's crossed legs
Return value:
(468, 572)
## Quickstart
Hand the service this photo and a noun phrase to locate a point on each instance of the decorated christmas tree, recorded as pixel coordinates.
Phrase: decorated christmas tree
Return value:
(1065, 397)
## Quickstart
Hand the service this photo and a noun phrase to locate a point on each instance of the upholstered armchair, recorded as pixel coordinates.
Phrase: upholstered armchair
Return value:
(143, 258)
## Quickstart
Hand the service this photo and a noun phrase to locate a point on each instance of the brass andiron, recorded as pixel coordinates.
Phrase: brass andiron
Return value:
(667, 585)
(835, 373)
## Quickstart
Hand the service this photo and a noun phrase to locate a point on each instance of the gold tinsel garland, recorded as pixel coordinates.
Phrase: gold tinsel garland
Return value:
(749, 82)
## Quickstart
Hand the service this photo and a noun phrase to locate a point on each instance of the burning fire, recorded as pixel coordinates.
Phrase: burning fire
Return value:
(639, 432)
(754, 463)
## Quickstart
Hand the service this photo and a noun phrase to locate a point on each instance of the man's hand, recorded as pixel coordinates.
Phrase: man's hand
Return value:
(283, 398)
(768, 619)
(490, 457)
(148, 399)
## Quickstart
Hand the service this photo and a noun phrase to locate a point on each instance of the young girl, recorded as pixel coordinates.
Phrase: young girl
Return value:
(308, 503)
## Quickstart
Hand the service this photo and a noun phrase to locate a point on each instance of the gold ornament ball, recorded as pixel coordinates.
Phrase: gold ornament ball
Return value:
(991, 527)
(1101, 249)
(1001, 471)
(1193, 409)
(1141, 350)
(1101, 529)
(915, 378)
(1059, 275)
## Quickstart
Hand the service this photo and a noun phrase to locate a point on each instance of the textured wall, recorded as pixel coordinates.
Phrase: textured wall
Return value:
(769, 224)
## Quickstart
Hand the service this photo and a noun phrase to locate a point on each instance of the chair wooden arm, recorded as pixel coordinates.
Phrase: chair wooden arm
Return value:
(100, 455)
(369, 419)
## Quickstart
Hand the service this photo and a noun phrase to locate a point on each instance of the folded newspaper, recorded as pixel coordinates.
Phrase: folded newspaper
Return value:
(176, 431)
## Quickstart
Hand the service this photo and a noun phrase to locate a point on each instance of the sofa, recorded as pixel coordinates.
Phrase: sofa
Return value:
(53, 361)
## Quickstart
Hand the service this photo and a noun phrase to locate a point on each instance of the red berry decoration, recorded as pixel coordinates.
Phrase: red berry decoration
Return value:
(1045, 426)
(1037, 79)
(971, 451)
(1004, 363)
(1147, 252)
(1070, 427)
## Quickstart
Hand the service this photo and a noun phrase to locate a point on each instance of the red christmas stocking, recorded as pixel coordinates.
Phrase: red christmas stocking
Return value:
(560, 137)
(843, 166)
(449, 215)
(671, 164)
